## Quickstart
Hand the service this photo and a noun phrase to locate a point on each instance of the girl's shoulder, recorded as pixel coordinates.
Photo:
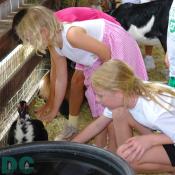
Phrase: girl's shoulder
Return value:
(93, 25)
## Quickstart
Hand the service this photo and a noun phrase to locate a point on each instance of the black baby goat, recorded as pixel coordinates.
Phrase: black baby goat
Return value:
(25, 129)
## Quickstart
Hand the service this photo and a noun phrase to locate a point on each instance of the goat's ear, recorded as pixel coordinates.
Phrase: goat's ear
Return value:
(22, 103)
(25, 104)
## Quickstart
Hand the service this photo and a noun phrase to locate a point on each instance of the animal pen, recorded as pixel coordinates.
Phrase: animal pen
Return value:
(20, 72)
(20, 68)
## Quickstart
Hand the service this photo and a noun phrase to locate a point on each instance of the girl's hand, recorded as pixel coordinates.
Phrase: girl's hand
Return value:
(134, 148)
(48, 117)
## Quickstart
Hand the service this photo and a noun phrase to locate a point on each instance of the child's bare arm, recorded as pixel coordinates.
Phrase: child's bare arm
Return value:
(92, 129)
(135, 147)
(52, 84)
(60, 78)
(78, 38)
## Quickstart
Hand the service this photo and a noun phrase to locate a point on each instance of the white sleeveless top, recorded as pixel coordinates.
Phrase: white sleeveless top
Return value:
(78, 55)
(152, 115)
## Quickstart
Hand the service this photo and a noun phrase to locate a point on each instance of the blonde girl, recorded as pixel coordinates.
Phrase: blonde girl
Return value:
(133, 103)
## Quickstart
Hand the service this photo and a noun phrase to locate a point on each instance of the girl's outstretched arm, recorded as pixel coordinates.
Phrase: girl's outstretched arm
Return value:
(47, 106)
(59, 80)
(52, 85)
(78, 38)
(92, 129)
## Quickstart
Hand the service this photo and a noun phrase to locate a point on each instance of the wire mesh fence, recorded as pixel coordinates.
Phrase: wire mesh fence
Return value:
(8, 67)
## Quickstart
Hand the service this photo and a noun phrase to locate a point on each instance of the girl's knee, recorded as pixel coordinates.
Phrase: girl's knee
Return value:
(134, 164)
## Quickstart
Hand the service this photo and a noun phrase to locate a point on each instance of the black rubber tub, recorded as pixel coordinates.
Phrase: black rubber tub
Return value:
(61, 158)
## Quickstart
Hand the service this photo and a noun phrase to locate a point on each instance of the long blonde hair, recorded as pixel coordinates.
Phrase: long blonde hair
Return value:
(31, 24)
(116, 75)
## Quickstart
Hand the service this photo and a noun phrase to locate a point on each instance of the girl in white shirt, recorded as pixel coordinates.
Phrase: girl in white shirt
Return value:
(132, 103)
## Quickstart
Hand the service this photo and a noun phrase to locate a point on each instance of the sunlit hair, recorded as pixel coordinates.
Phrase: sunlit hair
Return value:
(30, 26)
(115, 75)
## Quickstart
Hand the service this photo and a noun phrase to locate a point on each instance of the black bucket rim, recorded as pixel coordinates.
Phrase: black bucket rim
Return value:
(73, 149)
